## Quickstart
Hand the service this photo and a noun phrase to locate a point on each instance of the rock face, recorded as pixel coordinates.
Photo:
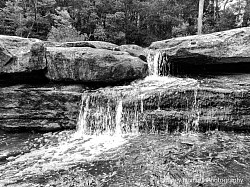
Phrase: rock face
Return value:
(34, 108)
(209, 51)
(169, 104)
(18, 55)
(152, 105)
(160, 104)
(49, 108)
(84, 64)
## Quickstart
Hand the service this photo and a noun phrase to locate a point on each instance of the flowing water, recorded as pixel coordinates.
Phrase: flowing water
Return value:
(160, 131)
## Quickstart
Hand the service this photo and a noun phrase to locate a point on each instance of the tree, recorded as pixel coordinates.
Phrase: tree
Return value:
(120, 21)
(200, 18)
(246, 16)
(63, 30)
(11, 18)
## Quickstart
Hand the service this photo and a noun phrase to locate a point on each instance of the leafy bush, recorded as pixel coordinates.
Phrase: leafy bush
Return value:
(100, 34)
(65, 34)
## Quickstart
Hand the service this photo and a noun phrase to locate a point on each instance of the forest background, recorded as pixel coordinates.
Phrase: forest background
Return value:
(118, 21)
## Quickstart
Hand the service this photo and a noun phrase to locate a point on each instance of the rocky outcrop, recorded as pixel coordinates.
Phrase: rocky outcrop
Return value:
(23, 60)
(54, 107)
(18, 55)
(152, 105)
(33, 108)
(84, 64)
(208, 50)
(170, 104)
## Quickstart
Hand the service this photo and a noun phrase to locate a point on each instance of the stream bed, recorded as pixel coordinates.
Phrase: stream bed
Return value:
(184, 156)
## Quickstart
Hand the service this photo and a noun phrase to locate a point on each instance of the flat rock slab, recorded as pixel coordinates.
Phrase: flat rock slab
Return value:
(226, 44)
(92, 65)
(202, 53)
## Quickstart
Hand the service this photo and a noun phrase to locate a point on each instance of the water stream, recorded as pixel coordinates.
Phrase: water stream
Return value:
(160, 131)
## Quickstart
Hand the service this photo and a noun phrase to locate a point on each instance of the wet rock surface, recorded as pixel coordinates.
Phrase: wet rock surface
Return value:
(180, 159)
(155, 104)
(169, 104)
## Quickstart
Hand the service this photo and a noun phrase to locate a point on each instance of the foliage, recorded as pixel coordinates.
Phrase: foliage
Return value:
(65, 34)
(119, 21)
(63, 31)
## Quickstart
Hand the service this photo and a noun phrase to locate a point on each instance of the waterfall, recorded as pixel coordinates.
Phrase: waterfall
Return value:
(142, 108)
(118, 118)
(195, 123)
(158, 63)
(193, 120)
(97, 116)
(83, 114)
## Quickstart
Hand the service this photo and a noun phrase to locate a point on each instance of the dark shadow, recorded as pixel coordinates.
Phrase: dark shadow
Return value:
(33, 77)
(207, 66)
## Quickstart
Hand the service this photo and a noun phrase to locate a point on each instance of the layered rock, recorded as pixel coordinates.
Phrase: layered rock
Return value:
(34, 108)
(48, 108)
(151, 105)
(169, 104)
(84, 64)
(204, 52)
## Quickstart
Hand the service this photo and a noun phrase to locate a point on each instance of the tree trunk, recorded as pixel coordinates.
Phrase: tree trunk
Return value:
(246, 14)
(200, 17)
(225, 4)
(216, 8)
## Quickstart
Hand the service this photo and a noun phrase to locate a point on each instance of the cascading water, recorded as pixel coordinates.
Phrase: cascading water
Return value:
(101, 115)
(195, 122)
(83, 114)
(156, 61)
(161, 104)
(192, 123)
(159, 64)
(118, 118)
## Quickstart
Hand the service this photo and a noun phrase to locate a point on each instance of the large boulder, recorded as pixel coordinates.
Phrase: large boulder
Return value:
(18, 55)
(84, 64)
(227, 47)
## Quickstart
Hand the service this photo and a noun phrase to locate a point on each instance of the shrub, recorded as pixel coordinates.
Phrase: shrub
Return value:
(65, 34)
